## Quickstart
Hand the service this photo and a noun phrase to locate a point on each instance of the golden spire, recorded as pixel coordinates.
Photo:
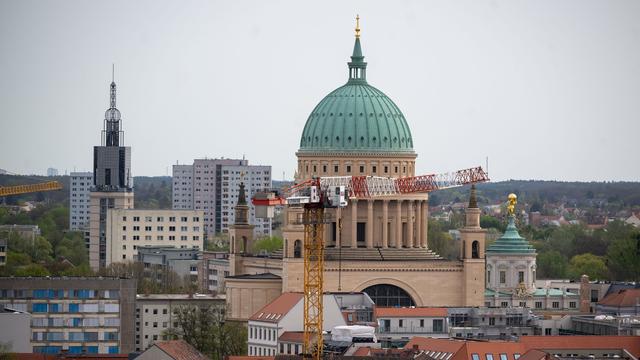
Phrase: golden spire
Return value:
(357, 26)
(513, 200)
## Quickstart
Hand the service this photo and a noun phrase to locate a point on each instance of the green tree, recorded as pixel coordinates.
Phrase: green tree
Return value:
(487, 222)
(588, 264)
(205, 329)
(551, 264)
(268, 244)
(440, 241)
(623, 258)
(72, 248)
(32, 270)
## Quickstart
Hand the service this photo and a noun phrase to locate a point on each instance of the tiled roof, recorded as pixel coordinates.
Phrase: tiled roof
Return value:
(275, 310)
(463, 350)
(180, 350)
(267, 276)
(630, 343)
(292, 336)
(410, 312)
(533, 355)
(623, 298)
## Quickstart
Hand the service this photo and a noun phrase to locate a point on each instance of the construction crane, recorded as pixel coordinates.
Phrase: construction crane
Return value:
(25, 189)
(317, 194)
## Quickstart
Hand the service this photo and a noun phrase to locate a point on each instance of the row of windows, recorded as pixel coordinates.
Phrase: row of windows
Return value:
(74, 308)
(74, 322)
(73, 336)
(161, 237)
(537, 304)
(59, 294)
(161, 219)
(161, 228)
(260, 351)
(475, 356)
(361, 168)
(261, 333)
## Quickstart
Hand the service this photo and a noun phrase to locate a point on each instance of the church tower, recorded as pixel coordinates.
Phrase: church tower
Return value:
(112, 182)
(511, 260)
(472, 242)
(240, 233)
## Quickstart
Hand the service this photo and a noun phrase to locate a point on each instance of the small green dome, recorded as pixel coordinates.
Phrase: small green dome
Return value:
(356, 117)
(511, 242)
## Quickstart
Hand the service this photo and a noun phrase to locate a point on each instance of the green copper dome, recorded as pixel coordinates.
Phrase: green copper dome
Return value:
(511, 242)
(356, 117)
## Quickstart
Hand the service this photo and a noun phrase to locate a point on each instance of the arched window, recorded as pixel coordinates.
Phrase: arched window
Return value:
(389, 295)
(297, 249)
(475, 250)
(244, 245)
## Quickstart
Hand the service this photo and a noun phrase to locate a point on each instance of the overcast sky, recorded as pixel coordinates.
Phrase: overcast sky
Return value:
(545, 89)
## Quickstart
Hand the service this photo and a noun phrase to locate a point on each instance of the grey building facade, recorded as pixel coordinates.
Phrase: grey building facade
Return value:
(158, 261)
(15, 329)
(75, 314)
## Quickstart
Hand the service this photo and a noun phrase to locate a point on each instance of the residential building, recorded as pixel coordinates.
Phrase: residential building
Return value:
(155, 313)
(52, 171)
(27, 232)
(171, 350)
(128, 229)
(211, 185)
(112, 182)
(407, 322)
(213, 270)
(80, 184)
(284, 314)
(15, 330)
(622, 302)
(76, 315)
(164, 263)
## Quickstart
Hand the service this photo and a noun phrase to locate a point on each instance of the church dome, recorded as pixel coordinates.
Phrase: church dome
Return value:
(356, 117)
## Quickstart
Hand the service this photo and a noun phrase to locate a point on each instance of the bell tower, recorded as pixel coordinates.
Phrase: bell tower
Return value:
(240, 233)
(472, 242)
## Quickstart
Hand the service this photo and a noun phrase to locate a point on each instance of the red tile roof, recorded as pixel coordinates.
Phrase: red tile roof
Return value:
(275, 310)
(441, 345)
(292, 336)
(410, 312)
(630, 343)
(464, 349)
(180, 350)
(623, 298)
(534, 355)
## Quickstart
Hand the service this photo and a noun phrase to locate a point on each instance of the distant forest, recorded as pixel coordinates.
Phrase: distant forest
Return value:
(155, 192)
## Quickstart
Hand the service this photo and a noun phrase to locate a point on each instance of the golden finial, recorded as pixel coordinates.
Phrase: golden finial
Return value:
(513, 200)
(357, 26)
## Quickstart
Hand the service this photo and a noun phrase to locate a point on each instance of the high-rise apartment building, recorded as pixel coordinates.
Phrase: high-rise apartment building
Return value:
(212, 185)
(112, 181)
(79, 202)
(76, 315)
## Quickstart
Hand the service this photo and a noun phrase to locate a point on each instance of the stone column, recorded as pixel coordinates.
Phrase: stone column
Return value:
(410, 224)
(398, 224)
(425, 223)
(418, 242)
(385, 224)
(354, 224)
(369, 238)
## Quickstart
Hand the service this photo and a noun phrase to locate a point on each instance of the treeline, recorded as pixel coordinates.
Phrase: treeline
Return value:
(54, 252)
(581, 194)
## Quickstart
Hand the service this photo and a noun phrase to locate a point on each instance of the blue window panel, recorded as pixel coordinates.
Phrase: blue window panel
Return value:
(40, 294)
(114, 350)
(75, 349)
(60, 294)
(92, 349)
(76, 321)
(47, 349)
(39, 308)
(54, 308)
(74, 308)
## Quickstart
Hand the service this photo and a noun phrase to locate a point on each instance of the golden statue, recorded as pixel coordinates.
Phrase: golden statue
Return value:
(357, 26)
(511, 207)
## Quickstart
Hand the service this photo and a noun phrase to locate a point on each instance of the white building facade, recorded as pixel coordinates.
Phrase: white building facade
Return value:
(79, 202)
(128, 229)
(212, 185)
